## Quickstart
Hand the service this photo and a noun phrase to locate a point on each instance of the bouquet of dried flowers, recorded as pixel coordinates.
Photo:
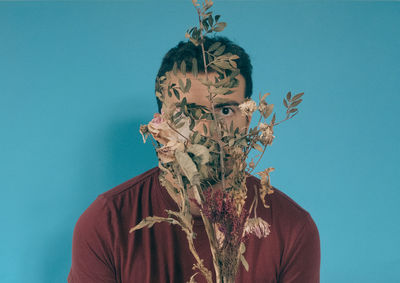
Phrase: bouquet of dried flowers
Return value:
(194, 162)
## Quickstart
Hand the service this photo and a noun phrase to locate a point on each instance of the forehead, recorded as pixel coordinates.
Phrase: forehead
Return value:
(198, 92)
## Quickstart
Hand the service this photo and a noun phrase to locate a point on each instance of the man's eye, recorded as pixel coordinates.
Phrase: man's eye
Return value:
(226, 111)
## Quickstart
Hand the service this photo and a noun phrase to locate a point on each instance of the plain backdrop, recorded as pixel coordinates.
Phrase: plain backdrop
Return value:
(77, 80)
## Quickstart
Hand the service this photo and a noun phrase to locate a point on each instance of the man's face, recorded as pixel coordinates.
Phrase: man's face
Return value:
(198, 94)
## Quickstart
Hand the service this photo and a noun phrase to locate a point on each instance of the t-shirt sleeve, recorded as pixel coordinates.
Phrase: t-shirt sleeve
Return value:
(92, 260)
(302, 261)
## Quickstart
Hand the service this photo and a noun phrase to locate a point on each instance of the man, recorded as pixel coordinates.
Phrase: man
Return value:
(105, 252)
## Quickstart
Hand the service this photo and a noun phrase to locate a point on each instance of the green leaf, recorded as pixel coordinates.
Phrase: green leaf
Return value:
(217, 17)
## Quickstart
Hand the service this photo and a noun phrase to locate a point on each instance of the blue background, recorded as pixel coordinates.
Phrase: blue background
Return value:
(77, 78)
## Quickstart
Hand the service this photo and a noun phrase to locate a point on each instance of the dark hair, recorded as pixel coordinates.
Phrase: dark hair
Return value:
(186, 51)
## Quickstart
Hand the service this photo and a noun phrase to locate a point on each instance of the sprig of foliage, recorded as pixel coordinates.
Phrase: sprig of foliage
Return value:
(191, 161)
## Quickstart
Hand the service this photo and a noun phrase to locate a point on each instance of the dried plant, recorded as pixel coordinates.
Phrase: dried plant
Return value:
(191, 161)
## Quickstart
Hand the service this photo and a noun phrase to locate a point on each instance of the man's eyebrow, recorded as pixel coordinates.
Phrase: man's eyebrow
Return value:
(227, 103)
(219, 105)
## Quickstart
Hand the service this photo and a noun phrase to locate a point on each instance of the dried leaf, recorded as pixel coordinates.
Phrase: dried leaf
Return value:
(264, 96)
(220, 50)
(221, 90)
(214, 46)
(200, 151)
(181, 85)
(288, 95)
(294, 104)
(192, 278)
(188, 167)
(268, 110)
(273, 119)
(244, 262)
(297, 96)
(285, 103)
(150, 221)
(233, 64)
(195, 69)
(183, 67)
(205, 129)
(220, 27)
(176, 92)
(216, 68)
(175, 68)
(258, 147)
(188, 85)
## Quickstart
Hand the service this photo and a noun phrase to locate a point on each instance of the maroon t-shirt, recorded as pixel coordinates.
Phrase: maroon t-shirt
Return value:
(103, 250)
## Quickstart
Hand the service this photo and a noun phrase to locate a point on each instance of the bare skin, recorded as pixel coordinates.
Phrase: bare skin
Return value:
(229, 111)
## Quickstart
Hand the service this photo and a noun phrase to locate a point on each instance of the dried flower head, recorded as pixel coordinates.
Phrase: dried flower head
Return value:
(219, 207)
(258, 227)
(171, 140)
(248, 107)
(144, 131)
(266, 136)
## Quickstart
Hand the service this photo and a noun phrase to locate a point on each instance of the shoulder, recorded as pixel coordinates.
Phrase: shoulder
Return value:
(106, 209)
(283, 213)
(133, 185)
